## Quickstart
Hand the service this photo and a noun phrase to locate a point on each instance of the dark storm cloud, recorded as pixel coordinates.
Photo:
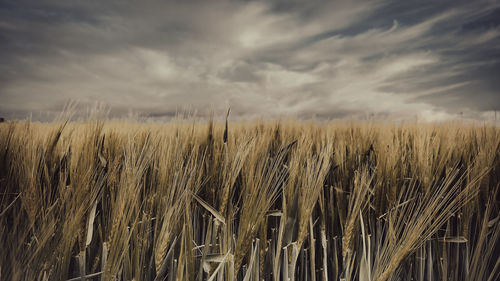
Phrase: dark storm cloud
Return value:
(393, 59)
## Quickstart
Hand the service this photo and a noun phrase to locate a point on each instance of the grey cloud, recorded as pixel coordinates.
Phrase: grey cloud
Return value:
(395, 59)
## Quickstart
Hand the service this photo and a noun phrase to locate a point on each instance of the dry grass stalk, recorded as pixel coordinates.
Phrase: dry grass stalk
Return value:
(181, 201)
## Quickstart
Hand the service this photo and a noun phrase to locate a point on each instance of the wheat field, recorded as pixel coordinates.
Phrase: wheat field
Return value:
(263, 200)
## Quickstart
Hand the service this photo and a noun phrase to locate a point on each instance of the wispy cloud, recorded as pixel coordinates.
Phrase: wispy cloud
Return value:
(426, 59)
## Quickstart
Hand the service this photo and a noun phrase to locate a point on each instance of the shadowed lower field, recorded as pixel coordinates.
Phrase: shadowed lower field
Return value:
(260, 201)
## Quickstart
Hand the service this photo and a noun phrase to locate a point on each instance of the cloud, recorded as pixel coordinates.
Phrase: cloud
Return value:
(339, 60)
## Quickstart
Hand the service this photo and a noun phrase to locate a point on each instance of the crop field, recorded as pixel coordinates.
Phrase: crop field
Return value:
(262, 200)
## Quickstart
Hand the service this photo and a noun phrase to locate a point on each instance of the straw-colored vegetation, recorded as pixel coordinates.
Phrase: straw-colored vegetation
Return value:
(252, 201)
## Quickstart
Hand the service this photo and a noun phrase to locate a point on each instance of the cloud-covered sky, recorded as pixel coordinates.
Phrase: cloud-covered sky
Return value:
(394, 59)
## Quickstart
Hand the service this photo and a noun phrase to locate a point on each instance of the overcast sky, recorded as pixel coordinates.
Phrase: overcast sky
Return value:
(340, 59)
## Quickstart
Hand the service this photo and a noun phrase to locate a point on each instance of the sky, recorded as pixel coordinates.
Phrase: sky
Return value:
(390, 60)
